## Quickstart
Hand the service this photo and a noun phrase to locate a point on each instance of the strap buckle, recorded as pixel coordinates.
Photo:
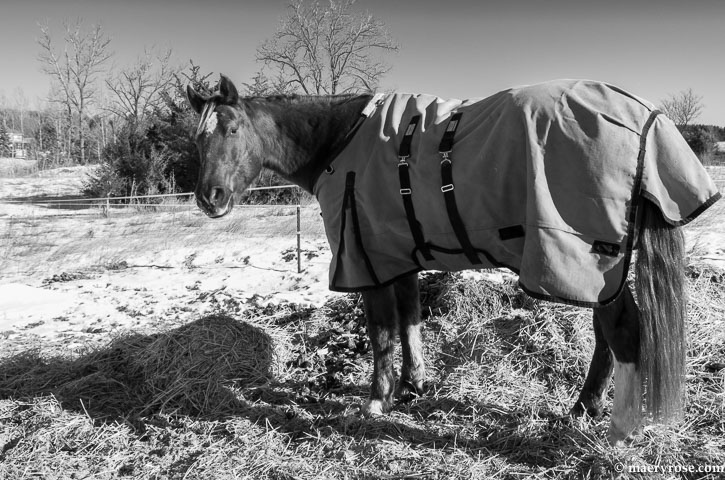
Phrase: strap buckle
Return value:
(406, 191)
(402, 160)
(447, 188)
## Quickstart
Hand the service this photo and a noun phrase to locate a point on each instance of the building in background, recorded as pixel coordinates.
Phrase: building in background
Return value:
(19, 145)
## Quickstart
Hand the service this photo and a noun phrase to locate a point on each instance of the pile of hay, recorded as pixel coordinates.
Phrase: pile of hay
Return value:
(188, 370)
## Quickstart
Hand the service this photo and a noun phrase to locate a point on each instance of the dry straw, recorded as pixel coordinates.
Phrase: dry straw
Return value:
(188, 370)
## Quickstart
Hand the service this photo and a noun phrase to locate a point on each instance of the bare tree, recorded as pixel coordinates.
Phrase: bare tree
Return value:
(75, 69)
(22, 103)
(682, 108)
(327, 50)
(138, 89)
(6, 117)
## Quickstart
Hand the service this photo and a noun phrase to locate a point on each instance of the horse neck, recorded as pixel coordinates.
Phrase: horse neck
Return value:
(301, 136)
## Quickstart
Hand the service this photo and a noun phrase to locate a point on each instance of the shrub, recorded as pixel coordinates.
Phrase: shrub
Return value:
(158, 154)
(133, 166)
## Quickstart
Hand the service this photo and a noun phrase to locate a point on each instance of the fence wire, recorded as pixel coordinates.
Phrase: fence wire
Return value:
(81, 205)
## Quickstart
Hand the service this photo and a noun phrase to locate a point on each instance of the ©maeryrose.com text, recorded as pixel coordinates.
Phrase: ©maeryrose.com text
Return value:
(679, 468)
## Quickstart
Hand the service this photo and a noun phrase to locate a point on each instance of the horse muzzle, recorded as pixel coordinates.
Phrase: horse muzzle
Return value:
(216, 201)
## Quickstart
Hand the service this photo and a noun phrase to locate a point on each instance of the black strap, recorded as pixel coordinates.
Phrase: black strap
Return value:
(514, 231)
(446, 144)
(406, 191)
(447, 188)
(349, 202)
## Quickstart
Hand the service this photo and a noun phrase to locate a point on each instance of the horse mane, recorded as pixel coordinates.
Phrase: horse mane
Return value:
(295, 99)
(308, 120)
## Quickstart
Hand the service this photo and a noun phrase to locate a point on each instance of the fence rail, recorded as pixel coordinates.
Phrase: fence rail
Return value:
(133, 197)
(106, 204)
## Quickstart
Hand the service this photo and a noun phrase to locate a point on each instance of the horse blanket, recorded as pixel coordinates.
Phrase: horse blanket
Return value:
(542, 179)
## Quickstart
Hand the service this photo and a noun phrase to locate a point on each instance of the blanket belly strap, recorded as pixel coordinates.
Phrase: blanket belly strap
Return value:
(447, 188)
(406, 191)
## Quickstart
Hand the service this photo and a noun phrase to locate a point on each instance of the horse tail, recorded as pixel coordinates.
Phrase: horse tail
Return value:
(660, 287)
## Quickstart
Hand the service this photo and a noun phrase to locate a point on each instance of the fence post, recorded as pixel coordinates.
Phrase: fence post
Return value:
(299, 242)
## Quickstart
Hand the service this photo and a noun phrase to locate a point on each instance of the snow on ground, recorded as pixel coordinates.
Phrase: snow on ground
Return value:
(705, 236)
(74, 277)
(78, 276)
(20, 303)
(59, 182)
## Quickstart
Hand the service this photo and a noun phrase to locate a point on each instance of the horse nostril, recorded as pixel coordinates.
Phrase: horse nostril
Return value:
(218, 196)
(215, 200)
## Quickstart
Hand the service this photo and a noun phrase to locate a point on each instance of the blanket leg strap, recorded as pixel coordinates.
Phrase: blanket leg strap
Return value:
(406, 191)
(447, 188)
(348, 202)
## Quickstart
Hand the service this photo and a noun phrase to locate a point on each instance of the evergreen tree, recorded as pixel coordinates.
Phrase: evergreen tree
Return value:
(5, 145)
(159, 156)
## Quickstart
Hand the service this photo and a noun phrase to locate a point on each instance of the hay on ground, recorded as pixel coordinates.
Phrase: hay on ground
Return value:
(188, 370)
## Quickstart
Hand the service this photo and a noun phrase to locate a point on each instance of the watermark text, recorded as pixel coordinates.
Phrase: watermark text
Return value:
(675, 468)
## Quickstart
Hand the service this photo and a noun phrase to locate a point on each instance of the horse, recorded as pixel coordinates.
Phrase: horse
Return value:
(640, 343)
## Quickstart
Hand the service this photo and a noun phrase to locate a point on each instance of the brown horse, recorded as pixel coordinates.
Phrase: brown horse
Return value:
(299, 137)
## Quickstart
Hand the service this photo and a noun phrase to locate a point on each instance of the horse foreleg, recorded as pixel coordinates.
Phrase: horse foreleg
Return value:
(381, 314)
(412, 375)
(620, 326)
(591, 396)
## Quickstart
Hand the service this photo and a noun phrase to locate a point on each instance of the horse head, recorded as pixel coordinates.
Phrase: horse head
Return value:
(229, 150)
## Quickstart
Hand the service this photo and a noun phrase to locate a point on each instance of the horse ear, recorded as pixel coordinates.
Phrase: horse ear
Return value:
(228, 90)
(195, 100)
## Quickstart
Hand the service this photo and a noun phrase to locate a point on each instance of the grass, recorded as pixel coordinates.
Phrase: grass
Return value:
(273, 393)
(34, 242)
(16, 167)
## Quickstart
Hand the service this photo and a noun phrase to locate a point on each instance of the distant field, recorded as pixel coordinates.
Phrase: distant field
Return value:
(10, 167)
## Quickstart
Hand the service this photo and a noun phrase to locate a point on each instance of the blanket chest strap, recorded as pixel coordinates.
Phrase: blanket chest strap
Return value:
(447, 188)
(406, 191)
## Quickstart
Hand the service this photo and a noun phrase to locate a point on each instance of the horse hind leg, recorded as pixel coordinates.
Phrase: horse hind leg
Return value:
(620, 327)
(592, 394)
(412, 375)
(382, 322)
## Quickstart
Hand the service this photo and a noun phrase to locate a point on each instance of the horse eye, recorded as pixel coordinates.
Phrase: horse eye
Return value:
(233, 130)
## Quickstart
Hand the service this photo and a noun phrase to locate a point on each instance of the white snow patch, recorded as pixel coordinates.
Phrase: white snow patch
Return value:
(22, 304)
(498, 275)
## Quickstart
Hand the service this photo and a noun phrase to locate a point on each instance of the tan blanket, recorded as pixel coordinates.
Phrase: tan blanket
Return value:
(544, 178)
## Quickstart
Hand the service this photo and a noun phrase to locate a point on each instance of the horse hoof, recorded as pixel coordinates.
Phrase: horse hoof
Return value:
(375, 408)
(616, 441)
(409, 391)
(618, 437)
(579, 410)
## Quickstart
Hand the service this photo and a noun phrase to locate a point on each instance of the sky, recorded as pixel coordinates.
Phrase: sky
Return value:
(449, 48)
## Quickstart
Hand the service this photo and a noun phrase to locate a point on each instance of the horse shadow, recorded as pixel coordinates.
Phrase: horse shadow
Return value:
(503, 434)
(218, 367)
